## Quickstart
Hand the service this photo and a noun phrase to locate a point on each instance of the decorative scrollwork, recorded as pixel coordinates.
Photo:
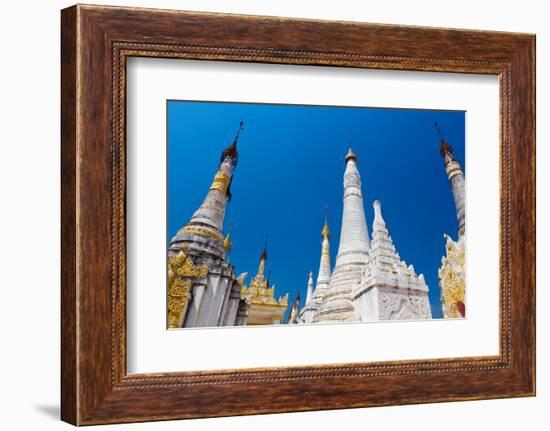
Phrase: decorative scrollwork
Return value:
(452, 280)
(352, 179)
(181, 271)
(260, 292)
(396, 306)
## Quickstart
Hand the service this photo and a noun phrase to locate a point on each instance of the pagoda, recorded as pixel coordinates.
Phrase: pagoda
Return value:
(370, 282)
(452, 274)
(389, 289)
(203, 289)
(263, 308)
(352, 251)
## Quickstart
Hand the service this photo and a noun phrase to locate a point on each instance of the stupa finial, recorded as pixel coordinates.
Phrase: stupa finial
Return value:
(445, 148)
(231, 151)
(326, 231)
(350, 155)
(241, 127)
(378, 222)
(264, 252)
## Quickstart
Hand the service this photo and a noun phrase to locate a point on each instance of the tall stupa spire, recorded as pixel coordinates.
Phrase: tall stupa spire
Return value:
(354, 236)
(205, 290)
(456, 179)
(451, 274)
(204, 231)
(309, 295)
(323, 277)
(212, 210)
(352, 251)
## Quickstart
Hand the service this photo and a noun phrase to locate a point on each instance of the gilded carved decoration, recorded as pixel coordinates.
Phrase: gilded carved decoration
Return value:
(203, 232)
(227, 244)
(260, 292)
(221, 182)
(326, 231)
(263, 307)
(181, 271)
(452, 279)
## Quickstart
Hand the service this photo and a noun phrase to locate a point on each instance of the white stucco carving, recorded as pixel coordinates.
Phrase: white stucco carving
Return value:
(370, 282)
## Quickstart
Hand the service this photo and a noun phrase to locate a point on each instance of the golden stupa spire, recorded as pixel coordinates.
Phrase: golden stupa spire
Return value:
(326, 231)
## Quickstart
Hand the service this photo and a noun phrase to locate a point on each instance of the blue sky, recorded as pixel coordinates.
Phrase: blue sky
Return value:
(291, 163)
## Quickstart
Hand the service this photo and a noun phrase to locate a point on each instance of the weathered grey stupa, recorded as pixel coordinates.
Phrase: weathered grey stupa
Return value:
(203, 288)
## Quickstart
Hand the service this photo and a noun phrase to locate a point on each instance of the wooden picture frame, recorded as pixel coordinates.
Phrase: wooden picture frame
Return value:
(95, 43)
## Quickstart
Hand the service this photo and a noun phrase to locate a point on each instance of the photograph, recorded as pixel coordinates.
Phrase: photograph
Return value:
(263, 210)
(282, 214)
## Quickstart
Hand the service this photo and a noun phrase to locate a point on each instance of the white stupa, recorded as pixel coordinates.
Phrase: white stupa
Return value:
(352, 252)
(370, 282)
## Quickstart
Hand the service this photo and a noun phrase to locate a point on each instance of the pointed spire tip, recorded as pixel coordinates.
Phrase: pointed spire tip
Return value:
(264, 252)
(231, 151)
(445, 149)
(350, 155)
(326, 231)
(378, 218)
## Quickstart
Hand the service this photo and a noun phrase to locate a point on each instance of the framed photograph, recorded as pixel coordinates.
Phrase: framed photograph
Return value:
(321, 214)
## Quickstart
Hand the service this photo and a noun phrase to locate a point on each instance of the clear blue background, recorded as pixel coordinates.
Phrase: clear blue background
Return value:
(291, 163)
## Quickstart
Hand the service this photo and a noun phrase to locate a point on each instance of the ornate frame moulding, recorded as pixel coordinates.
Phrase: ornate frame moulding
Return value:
(96, 41)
